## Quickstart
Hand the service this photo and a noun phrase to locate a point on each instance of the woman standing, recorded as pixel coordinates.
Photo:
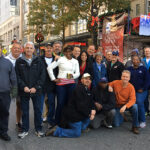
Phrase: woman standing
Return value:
(85, 65)
(68, 70)
(140, 81)
(99, 69)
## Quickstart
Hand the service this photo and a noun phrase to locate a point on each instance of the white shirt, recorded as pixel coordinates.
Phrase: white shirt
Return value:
(48, 60)
(147, 60)
(12, 59)
(65, 66)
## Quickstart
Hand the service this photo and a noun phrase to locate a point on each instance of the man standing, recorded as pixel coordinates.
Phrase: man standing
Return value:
(76, 52)
(31, 76)
(57, 48)
(125, 99)
(7, 81)
(13, 56)
(105, 103)
(91, 51)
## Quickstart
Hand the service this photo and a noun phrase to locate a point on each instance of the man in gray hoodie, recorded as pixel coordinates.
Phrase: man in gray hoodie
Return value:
(7, 81)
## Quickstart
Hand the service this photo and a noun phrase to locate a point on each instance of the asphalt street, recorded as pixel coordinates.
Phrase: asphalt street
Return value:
(120, 138)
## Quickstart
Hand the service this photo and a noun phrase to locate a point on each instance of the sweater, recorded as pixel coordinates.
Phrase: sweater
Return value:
(7, 75)
(65, 66)
(124, 95)
(139, 78)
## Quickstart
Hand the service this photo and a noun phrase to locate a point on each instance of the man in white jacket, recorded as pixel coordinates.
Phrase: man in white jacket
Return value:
(13, 56)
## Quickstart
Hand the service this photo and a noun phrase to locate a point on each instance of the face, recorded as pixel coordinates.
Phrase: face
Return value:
(125, 77)
(136, 61)
(29, 50)
(147, 52)
(83, 57)
(91, 50)
(68, 54)
(100, 49)
(114, 58)
(57, 48)
(103, 85)
(109, 56)
(98, 59)
(16, 50)
(86, 81)
(48, 51)
(76, 52)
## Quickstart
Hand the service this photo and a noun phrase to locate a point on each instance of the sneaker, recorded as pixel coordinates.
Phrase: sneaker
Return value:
(45, 119)
(22, 135)
(109, 126)
(19, 127)
(39, 133)
(51, 131)
(5, 137)
(142, 124)
(104, 124)
(135, 130)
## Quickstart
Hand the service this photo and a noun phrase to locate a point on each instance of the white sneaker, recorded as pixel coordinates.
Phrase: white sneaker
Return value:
(109, 126)
(22, 135)
(44, 119)
(39, 133)
(142, 124)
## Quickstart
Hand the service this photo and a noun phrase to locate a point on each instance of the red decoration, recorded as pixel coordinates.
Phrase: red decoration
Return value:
(39, 38)
(94, 19)
(135, 22)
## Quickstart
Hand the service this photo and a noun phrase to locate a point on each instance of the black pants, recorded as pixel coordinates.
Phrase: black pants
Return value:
(4, 111)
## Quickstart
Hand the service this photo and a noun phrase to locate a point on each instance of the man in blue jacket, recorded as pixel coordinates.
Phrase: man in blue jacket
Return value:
(7, 81)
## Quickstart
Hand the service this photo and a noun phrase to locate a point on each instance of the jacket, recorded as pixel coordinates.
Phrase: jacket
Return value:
(98, 74)
(104, 97)
(7, 75)
(114, 72)
(79, 105)
(30, 75)
(139, 78)
(49, 86)
(65, 66)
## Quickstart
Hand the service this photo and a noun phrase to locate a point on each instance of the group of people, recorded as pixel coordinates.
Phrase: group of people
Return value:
(80, 89)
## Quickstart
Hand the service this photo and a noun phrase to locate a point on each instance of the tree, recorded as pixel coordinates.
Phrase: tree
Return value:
(55, 15)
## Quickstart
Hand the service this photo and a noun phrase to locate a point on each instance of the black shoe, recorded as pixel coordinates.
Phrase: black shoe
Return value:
(19, 127)
(5, 137)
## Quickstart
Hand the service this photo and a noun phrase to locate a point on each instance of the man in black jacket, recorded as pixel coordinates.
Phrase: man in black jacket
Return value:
(31, 76)
(114, 68)
(105, 105)
(78, 113)
(49, 86)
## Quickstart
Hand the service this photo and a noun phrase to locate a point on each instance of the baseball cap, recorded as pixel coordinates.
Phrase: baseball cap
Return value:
(85, 75)
(116, 53)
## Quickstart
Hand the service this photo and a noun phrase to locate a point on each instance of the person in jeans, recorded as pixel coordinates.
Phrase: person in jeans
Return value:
(68, 71)
(31, 76)
(13, 56)
(125, 100)
(105, 103)
(79, 111)
(49, 86)
(7, 81)
(140, 81)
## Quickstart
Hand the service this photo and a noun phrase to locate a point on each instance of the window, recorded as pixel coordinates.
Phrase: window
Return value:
(148, 3)
(137, 9)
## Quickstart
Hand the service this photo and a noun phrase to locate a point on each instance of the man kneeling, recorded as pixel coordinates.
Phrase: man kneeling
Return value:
(105, 105)
(77, 114)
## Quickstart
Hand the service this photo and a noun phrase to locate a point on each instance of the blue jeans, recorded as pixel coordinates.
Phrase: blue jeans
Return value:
(25, 112)
(51, 106)
(63, 93)
(118, 119)
(140, 98)
(146, 103)
(74, 131)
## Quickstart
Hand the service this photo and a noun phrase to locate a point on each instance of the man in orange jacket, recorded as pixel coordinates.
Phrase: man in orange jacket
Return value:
(125, 100)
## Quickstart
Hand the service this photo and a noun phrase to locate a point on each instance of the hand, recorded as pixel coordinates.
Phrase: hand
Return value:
(110, 89)
(140, 91)
(69, 76)
(26, 90)
(92, 117)
(32, 90)
(57, 80)
(98, 106)
(122, 110)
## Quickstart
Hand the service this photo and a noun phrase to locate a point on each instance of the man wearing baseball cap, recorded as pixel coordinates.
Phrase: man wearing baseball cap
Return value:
(105, 102)
(77, 114)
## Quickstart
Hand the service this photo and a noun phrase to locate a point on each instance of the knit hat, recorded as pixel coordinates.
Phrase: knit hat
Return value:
(116, 53)
(103, 80)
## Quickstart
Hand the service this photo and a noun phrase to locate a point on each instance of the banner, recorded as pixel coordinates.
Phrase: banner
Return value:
(113, 31)
(144, 25)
